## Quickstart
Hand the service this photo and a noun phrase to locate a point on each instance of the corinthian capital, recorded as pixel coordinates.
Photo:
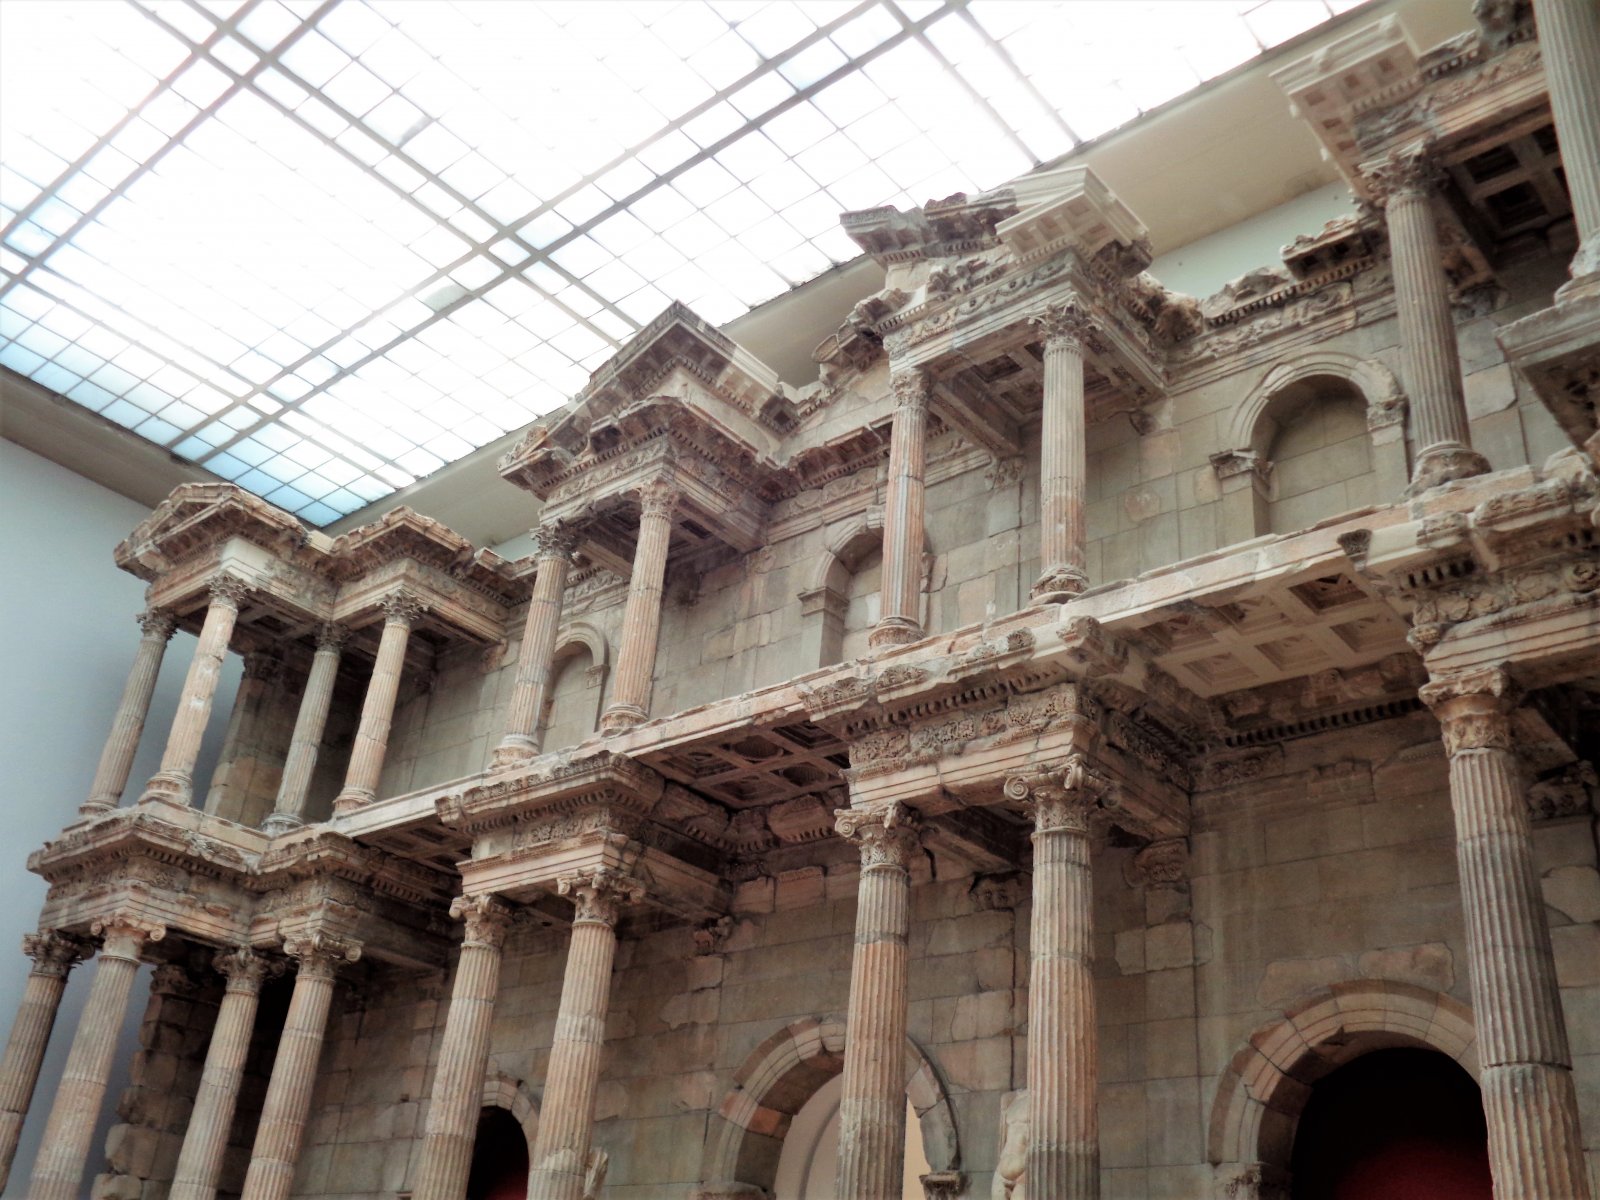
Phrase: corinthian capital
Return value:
(229, 590)
(1409, 171)
(487, 919)
(555, 539)
(55, 953)
(1474, 708)
(244, 969)
(888, 835)
(157, 623)
(320, 955)
(601, 894)
(332, 636)
(911, 389)
(1066, 324)
(1059, 798)
(658, 498)
(401, 607)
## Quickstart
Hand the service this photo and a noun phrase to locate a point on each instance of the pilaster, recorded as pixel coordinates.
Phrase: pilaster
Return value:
(1063, 468)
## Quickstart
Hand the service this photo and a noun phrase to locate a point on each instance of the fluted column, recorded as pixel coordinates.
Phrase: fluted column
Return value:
(205, 1142)
(64, 1148)
(900, 619)
(294, 1071)
(872, 1108)
(566, 1118)
(1535, 1149)
(464, 1054)
(261, 672)
(127, 727)
(1569, 46)
(1430, 361)
(1063, 460)
(1063, 1054)
(174, 782)
(54, 955)
(641, 619)
(401, 611)
(531, 690)
(300, 764)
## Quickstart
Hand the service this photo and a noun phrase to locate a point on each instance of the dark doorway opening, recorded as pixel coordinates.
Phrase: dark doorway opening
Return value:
(1396, 1124)
(499, 1158)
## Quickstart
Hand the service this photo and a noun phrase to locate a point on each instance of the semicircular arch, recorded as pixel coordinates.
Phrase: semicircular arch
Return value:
(1377, 384)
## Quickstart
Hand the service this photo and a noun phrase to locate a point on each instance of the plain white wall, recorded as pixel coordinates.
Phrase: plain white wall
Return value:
(69, 618)
(1205, 264)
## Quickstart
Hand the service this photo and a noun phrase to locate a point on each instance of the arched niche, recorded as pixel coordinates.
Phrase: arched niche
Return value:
(1335, 421)
(774, 1083)
(1266, 1086)
(576, 695)
(841, 601)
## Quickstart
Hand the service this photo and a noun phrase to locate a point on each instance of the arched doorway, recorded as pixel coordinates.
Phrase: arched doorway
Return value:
(1396, 1124)
(499, 1158)
(808, 1165)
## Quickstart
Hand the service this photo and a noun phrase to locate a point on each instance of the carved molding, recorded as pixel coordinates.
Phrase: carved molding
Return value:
(55, 953)
(601, 894)
(1059, 799)
(487, 920)
(887, 836)
(319, 955)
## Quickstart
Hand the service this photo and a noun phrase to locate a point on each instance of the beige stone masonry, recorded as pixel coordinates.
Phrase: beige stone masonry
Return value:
(1535, 1147)
(1404, 183)
(294, 1071)
(903, 536)
(401, 611)
(54, 955)
(530, 694)
(206, 1140)
(872, 1109)
(641, 618)
(562, 1154)
(64, 1147)
(288, 811)
(457, 1082)
(174, 782)
(116, 760)
(1063, 1073)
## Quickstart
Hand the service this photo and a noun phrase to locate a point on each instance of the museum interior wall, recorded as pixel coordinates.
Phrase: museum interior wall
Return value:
(1090, 718)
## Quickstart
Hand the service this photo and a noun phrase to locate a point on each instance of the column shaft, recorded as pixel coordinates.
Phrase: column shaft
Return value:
(531, 690)
(900, 620)
(174, 782)
(872, 1108)
(377, 710)
(1569, 43)
(1431, 360)
(566, 1118)
(294, 1070)
(1535, 1147)
(205, 1142)
(261, 672)
(300, 764)
(457, 1092)
(1063, 464)
(64, 1148)
(53, 957)
(127, 727)
(641, 619)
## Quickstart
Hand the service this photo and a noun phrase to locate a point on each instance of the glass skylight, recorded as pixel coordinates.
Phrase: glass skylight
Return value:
(324, 249)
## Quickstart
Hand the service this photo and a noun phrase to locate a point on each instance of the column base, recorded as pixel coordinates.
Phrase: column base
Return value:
(1443, 463)
(353, 798)
(169, 787)
(279, 823)
(90, 809)
(894, 631)
(1059, 584)
(513, 754)
(620, 718)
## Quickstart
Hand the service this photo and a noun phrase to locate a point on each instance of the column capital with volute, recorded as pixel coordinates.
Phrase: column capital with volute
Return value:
(1065, 322)
(886, 835)
(157, 623)
(555, 540)
(55, 953)
(600, 895)
(403, 607)
(331, 635)
(319, 955)
(245, 969)
(1410, 170)
(487, 919)
(1060, 797)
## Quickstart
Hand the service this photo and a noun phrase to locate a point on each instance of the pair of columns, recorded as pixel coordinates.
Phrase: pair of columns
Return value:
(1063, 1154)
(563, 1147)
(641, 629)
(65, 1146)
(1063, 473)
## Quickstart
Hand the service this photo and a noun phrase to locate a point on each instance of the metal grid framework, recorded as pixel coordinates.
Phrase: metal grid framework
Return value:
(324, 249)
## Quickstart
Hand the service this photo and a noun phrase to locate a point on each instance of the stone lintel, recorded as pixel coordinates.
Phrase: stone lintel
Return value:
(316, 852)
(411, 936)
(1067, 208)
(553, 787)
(1558, 350)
